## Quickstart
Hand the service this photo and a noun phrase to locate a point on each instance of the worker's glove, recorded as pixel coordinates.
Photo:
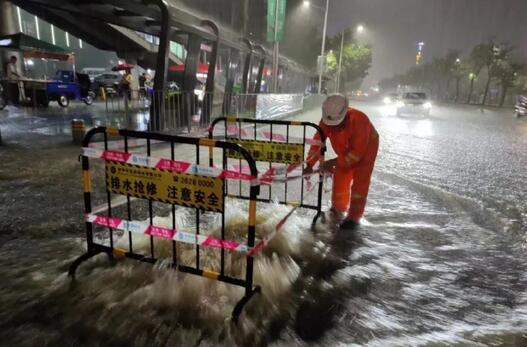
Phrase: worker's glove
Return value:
(328, 166)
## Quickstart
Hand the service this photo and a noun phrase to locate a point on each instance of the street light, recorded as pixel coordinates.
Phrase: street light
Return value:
(321, 62)
(323, 47)
(360, 29)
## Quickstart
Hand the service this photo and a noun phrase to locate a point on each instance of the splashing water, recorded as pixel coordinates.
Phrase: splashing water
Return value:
(137, 304)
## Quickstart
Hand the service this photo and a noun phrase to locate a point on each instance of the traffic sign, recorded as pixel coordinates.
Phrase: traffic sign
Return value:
(276, 16)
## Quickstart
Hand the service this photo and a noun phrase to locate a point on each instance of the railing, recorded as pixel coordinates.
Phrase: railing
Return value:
(192, 112)
(121, 101)
(240, 105)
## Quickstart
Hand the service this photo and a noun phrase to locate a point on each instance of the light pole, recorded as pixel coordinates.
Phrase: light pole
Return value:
(321, 61)
(337, 85)
(276, 50)
(360, 30)
(322, 51)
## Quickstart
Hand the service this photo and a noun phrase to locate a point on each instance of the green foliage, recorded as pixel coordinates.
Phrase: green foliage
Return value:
(436, 76)
(507, 73)
(356, 59)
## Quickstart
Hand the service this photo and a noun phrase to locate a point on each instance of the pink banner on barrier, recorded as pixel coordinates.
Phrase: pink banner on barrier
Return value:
(213, 242)
(234, 175)
(111, 222)
(231, 245)
(165, 233)
(116, 156)
(274, 137)
(177, 166)
(218, 243)
(242, 168)
(256, 249)
(235, 130)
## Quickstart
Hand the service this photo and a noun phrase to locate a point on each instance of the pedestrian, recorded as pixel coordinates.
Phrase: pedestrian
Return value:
(126, 86)
(13, 77)
(142, 84)
(356, 142)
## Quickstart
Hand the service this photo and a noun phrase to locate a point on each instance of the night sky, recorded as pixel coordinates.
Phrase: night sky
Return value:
(394, 27)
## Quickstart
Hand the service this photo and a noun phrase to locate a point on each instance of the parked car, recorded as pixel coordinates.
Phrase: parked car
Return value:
(92, 72)
(107, 80)
(413, 102)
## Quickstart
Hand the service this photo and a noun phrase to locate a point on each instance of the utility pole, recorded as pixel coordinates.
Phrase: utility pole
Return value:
(322, 63)
(245, 18)
(337, 85)
(276, 49)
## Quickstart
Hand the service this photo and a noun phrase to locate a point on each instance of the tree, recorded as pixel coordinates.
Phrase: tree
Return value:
(450, 65)
(506, 72)
(356, 59)
(459, 70)
(480, 57)
(438, 69)
(490, 55)
(494, 58)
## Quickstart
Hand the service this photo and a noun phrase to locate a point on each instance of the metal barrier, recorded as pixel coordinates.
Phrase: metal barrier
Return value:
(115, 101)
(185, 111)
(267, 146)
(191, 112)
(167, 183)
(241, 105)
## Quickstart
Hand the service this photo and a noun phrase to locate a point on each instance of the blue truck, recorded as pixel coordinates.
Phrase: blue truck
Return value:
(69, 85)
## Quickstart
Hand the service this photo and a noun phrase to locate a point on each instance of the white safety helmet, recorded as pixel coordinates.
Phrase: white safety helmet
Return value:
(334, 109)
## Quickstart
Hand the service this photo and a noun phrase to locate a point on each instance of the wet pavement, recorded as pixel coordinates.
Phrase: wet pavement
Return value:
(440, 259)
(27, 127)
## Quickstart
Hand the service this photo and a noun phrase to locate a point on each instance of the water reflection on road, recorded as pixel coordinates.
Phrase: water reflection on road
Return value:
(440, 259)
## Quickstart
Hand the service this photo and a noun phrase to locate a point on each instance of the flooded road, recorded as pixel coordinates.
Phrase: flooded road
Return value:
(440, 259)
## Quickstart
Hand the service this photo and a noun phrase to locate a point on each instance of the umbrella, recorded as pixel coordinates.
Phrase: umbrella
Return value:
(121, 67)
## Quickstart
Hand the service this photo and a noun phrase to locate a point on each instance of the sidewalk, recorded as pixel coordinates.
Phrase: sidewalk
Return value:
(51, 127)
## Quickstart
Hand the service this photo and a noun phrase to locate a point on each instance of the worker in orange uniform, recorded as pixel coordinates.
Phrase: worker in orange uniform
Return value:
(356, 142)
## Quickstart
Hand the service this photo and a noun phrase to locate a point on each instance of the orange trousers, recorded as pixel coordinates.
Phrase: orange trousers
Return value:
(351, 186)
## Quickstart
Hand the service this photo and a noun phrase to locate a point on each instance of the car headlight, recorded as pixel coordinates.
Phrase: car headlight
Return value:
(399, 104)
(387, 100)
(427, 105)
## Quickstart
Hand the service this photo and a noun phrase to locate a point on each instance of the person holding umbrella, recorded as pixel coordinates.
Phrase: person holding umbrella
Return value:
(125, 85)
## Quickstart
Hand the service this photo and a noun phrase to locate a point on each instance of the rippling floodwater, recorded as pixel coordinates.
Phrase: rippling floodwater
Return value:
(440, 260)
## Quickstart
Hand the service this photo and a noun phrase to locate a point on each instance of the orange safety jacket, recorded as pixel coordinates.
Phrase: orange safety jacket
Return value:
(349, 140)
